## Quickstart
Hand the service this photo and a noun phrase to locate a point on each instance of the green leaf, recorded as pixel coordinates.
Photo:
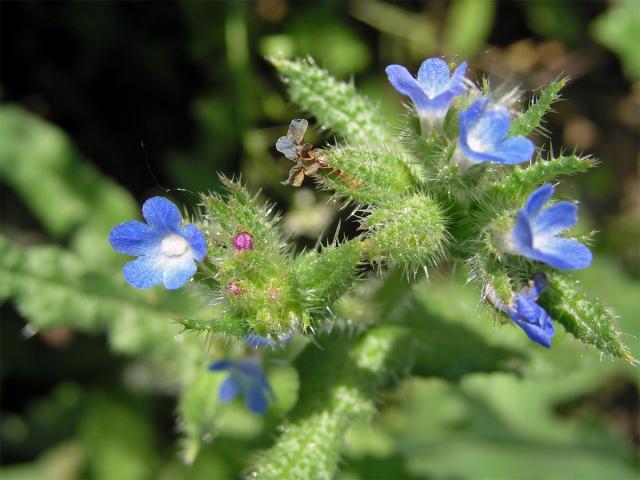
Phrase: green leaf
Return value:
(419, 32)
(530, 120)
(468, 25)
(39, 162)
(447, 348)
(198, 408)
(522, 181)
(555, 20)
(367, 176)
(499, 426)
(325, 276)
(410, 234)
(337, 105)
(618, 29)
(583, 316)
(52, 287)
(104, 425)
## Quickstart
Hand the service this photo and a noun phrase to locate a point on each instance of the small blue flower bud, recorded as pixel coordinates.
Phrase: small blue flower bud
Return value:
(526, 313)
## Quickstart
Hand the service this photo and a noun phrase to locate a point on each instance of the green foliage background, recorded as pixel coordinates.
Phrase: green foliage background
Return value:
(98, 380)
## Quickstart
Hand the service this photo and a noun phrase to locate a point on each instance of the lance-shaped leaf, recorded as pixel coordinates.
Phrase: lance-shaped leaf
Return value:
(337, 105)
(584, 316)
(530, 120)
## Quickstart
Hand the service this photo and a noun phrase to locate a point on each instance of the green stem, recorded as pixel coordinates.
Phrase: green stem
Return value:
(340, 382)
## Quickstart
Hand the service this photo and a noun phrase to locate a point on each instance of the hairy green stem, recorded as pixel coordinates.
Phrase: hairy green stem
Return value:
(340, 382)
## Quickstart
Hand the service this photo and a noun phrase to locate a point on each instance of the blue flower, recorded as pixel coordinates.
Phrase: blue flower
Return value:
(435, 88)
(245, 378)
(535, 232)
(527, 314)
(165, 252)
(483, 136)
(530, 316)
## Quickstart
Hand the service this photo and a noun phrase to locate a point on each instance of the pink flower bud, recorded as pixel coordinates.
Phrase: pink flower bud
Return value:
(243, 241)
(234, 289)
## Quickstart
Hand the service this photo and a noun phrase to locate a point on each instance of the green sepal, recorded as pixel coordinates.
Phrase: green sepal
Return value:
(225, 324)
(367, 176)
(410, 234)
(238, 211)
(337, 105)
(327, 275)
(582, 315)
(530, 120)
(522, 181)
(257, 286)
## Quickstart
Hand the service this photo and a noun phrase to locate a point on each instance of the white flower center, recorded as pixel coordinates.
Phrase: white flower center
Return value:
(476, 142)
(174, 245)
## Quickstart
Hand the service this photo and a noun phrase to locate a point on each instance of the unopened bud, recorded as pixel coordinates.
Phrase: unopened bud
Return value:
(243, 241)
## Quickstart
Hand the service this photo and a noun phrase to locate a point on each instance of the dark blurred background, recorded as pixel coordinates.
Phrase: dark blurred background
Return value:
(167, 94)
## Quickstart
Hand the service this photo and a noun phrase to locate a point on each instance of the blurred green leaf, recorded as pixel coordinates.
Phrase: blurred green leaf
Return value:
(418, 31)
(621, 291)
(118, 439)
(52, 287)
(498, 426)
(39, 162)
(198, 409)
(619, 29)
(554, 20)
(468, 25)
(62, 462)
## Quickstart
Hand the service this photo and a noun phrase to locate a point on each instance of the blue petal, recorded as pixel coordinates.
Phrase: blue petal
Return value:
(526, 309)
(539, 285)
(540, 334)
(133, 238)
(404, 83)
(438, 106)
(434, 76)
(560, 252)
(457, 85)
(513, 150)
(482, 135)
(488, 130)
(221, 365)
(229, 390)
(144, 272)
(534, 320)
(177, 272)
(555, 219)
(196, 240)
(522, 235)
(471, 115)
(251, 369)
(161, 214)
(538, 199)
(256, 341)
(256, 400)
